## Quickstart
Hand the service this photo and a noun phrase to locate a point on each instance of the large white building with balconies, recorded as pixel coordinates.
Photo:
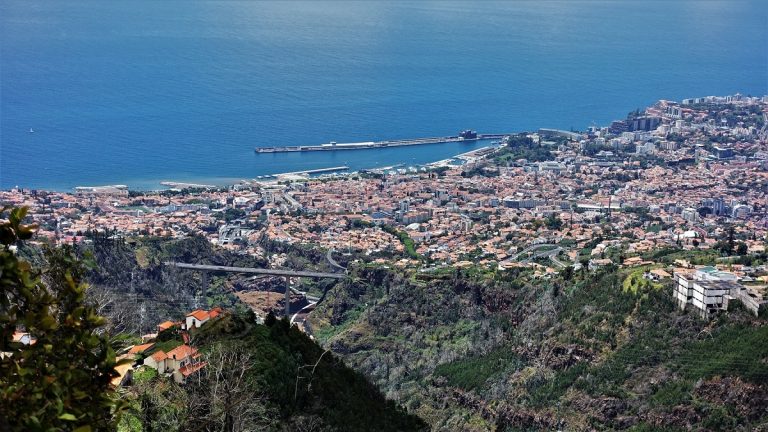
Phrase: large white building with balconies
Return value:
(709, 291)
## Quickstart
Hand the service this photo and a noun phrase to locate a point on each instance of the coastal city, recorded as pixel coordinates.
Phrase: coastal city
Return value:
(440, 216)
(690, 175)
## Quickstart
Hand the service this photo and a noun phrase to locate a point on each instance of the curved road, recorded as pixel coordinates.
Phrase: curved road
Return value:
(530, 249)
(550, 253)
(300, 317)
(332, 261)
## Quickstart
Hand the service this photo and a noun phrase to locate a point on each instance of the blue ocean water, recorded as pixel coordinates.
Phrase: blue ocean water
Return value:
(137, 92)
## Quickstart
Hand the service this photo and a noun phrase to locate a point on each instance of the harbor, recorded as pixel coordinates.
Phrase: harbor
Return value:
(463, 136)
(296, 167)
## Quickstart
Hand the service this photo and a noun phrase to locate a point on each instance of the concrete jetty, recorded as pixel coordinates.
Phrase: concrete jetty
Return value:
(464, 136)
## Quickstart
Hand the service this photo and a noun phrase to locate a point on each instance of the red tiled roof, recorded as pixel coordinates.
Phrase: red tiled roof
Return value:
(191, 368)
(181, 352)
(199, 315)
(166, 325)
(159, 356)
(136, 349)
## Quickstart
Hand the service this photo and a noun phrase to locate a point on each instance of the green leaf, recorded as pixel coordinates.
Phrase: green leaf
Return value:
(68, 416)
(48, 322)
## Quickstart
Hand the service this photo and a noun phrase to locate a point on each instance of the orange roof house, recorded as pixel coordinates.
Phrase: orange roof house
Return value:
(633, 261)
(138, 349)
(200, 314)
(181, 352)
(159, 356)
(199, 317)
(182, 362)
(165, 326)
(185, 371)
(156, 361)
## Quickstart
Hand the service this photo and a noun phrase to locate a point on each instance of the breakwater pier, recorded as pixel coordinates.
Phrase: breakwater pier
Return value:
(467, 135)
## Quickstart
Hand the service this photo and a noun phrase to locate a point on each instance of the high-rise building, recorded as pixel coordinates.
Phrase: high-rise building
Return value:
(645, 123)
(618, 126)
(405, 205)
(690, 214)
(718, 207)
(674, 111)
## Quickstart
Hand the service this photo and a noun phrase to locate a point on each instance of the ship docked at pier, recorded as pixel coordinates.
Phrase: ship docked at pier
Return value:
(465, 135)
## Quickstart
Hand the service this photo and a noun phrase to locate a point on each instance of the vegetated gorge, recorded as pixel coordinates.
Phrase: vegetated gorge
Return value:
(257, 376)
(473, 349)
(451, 349)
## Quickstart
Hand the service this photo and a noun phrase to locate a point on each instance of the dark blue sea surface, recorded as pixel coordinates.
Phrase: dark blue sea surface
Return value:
(137, 92)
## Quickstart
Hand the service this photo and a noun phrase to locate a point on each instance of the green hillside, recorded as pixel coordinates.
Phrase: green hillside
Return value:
(483, 350)
(263, 377)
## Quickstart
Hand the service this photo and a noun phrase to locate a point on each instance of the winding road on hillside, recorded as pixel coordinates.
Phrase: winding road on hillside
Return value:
(332, 261)
(300, 317)
(549, 253)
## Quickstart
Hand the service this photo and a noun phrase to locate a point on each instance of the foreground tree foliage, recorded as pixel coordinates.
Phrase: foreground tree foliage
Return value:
(62, 381)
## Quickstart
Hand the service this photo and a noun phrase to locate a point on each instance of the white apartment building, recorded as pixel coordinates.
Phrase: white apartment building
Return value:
(709, 291)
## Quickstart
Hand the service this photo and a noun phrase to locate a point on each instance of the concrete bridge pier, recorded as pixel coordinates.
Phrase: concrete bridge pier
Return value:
(288, 297)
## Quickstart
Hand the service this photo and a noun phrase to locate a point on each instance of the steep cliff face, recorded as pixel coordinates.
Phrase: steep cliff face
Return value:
(477, 350)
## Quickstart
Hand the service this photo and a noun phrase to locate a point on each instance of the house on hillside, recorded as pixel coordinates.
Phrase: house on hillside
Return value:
(656, 274)
(181, 375)
(595, 264)
(180, 356)
(156, 361)
(197, 318)
(179, 362)
(182, 361)
(165, 326)
(137, 350)
(633, 261)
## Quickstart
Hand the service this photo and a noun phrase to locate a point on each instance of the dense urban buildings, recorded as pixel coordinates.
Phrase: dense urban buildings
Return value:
(689, 175)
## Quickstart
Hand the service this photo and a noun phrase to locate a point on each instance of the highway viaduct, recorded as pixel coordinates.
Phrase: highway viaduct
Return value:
(204, 269)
